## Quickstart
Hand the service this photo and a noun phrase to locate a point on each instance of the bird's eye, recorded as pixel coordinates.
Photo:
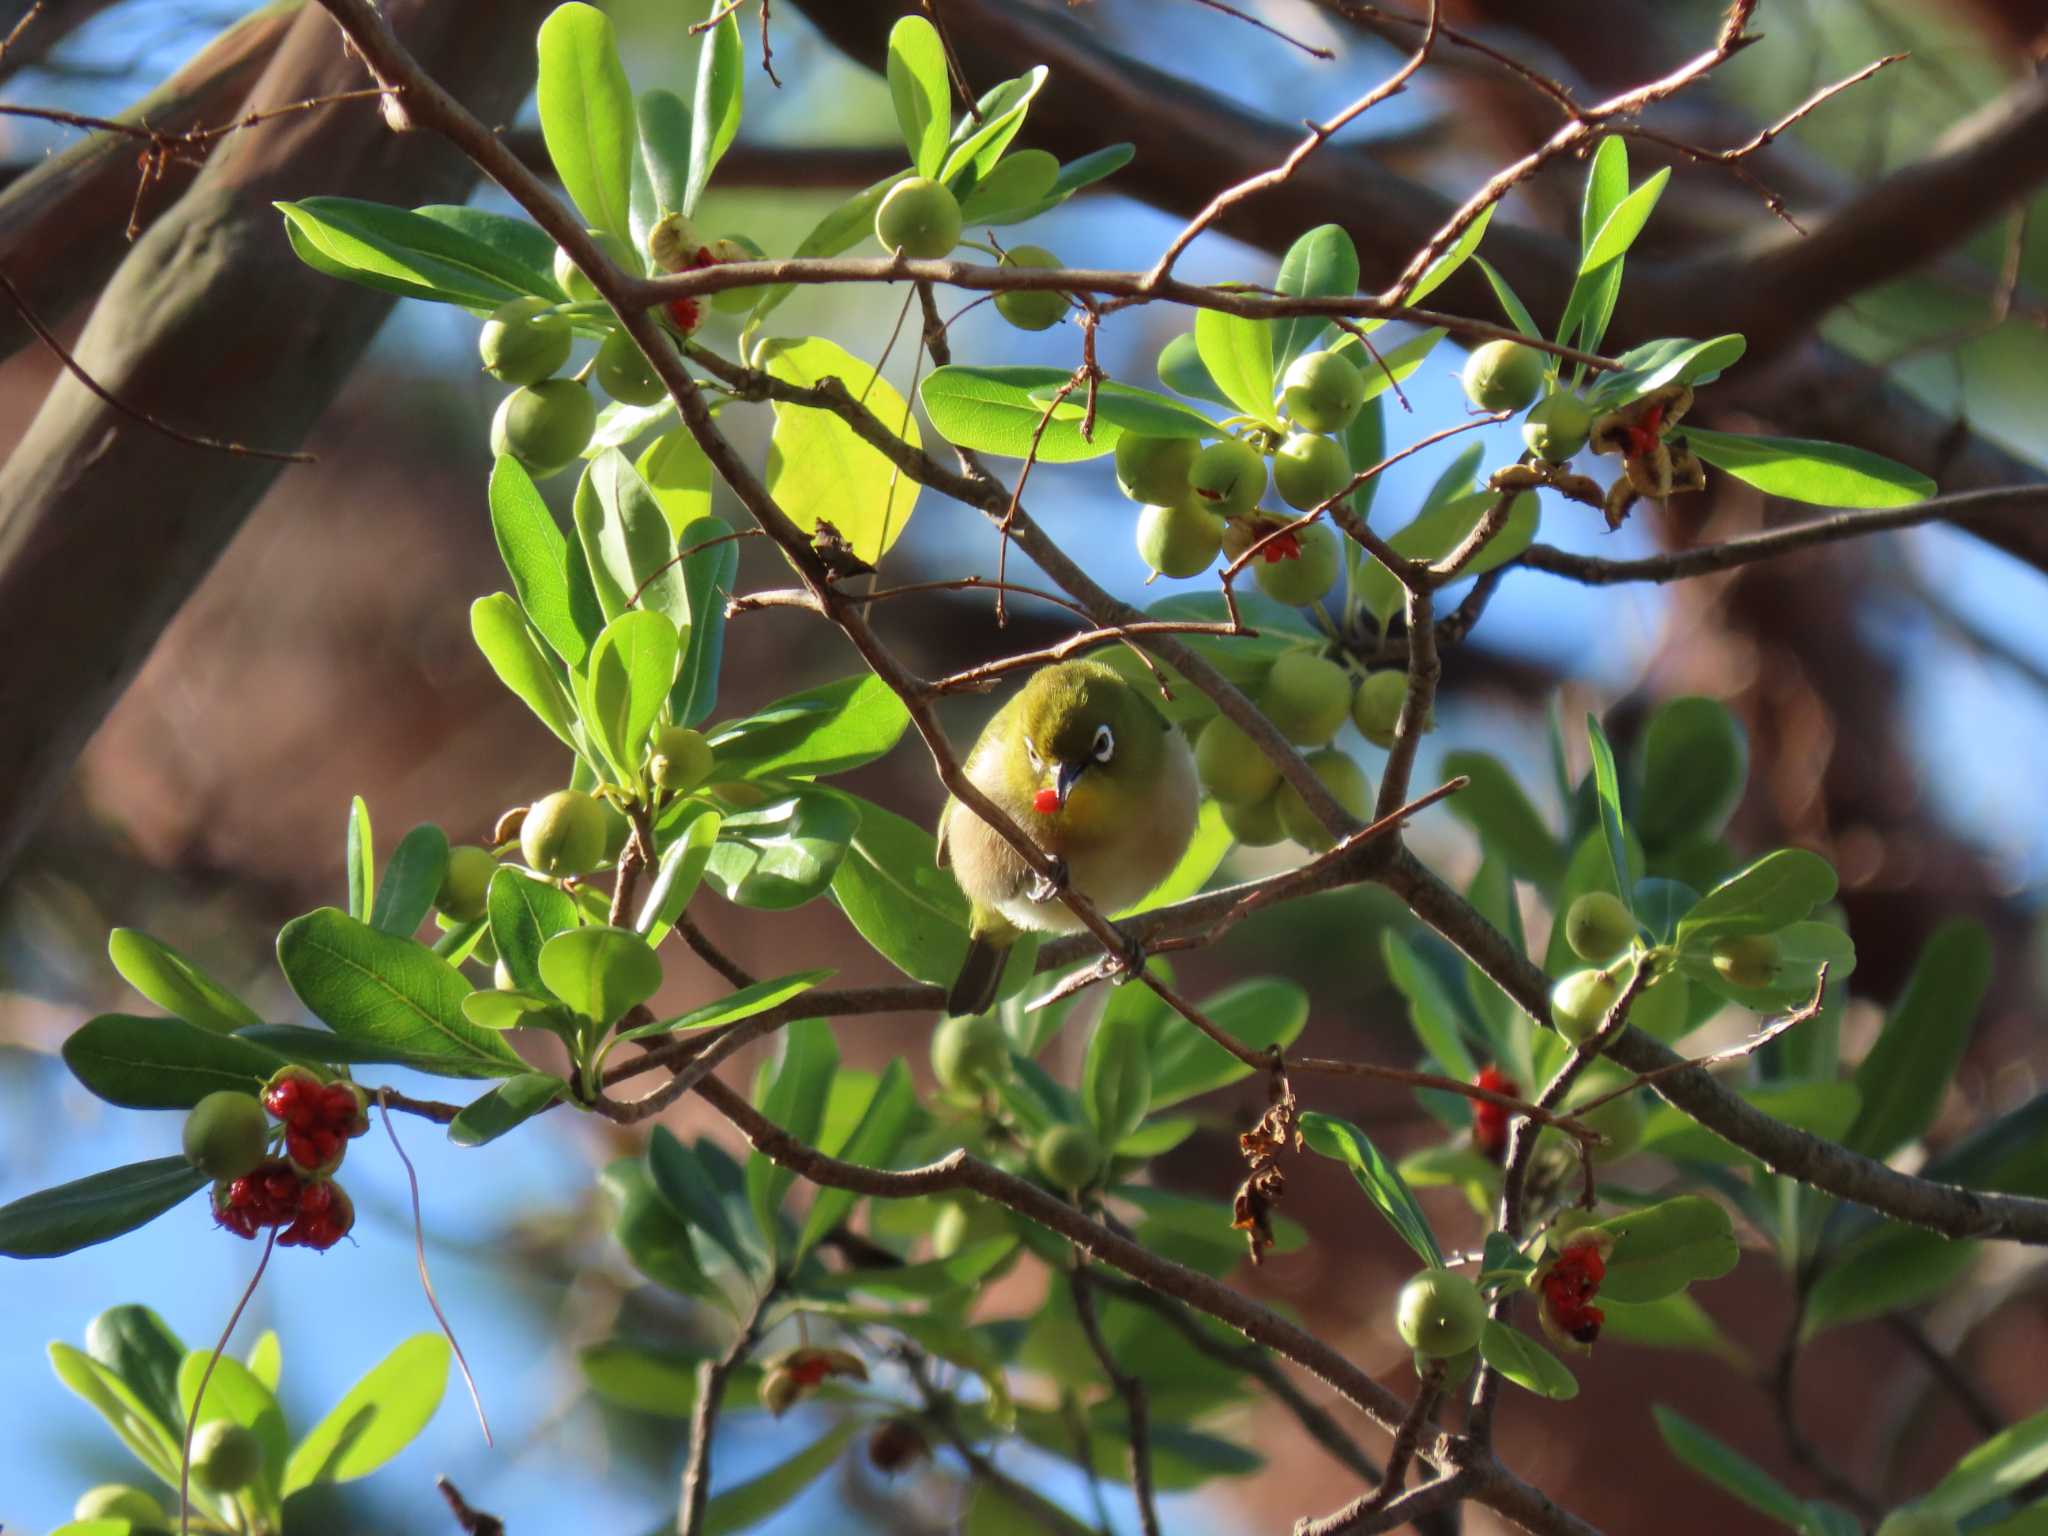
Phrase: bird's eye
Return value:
(1031, 751)
(1105, 744)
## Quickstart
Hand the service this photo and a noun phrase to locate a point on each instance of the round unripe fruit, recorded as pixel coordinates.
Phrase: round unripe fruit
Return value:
(1031, 310)
(1917, 1522)
(969, 1054)
(920, 217)
(1344, 779)
(1579, 1003)
(226, 1134)
(1179, 540)
(1503, 376)
(465, 893)
(1306, 696)
(1229, 476)
(1439, 1314)
(569, 277)
(963, 1223)
(564, 833)
(1322, 391)
(226, 1457)
(682, 759)
(519, 346)
(1299, 580)
(736, 301)
(1749, 960)
(1598, 927)
(1231, 766)
(1256, 824)
(1154, 470)
(544, 426)
(117, 1501)
(1557, 427)
(1308, 469)
(1620, 1120)
(1069, 1156)
(623, 372)
(1376, 707)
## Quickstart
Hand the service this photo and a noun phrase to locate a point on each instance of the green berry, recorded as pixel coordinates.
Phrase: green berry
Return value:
(1557, 426)
(736, 301)
(1308, 469)
(1298, 580)
(1376, 707)
(1179, 540)
(969, 1054)
(1439, 1314)
(226, 1457)
(1231, 766)
(1579, 1003)
(1344, 779)
(226, 1134)
(544, 426)
(1503, 376)
(564, 834)
(1748, 960)
(623, 372)
(1031, 310)
(1229, 476)
(1154, 470)
(1598, 927)
(118, 1501)
(1256, 824)
(569, 277)
(1917, 1522)
(465, 892)
(681, 760)
(522, 344)
(963, 1223)
(1069, 1156)
(919, 217)
(1307, 696)
(1322, 391)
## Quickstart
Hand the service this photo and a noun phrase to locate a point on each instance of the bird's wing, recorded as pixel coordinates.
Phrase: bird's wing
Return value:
(945, 854)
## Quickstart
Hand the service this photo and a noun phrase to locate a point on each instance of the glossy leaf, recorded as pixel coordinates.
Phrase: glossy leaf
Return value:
(1824, 474)
(1895, 1270)
(873, 1144)
(784, 853)
(678, 875)
(819, 470)
(1510, 302)
(1018, 183)
(1257, 1013)
(922, 95)
(600, 972)
(1675, 1322)
(1908, 1070)
(627, 542)
(420, 257)
(1393, 365)
(1728, 1469)
(893, 891)
(154, 1441)
(1432, 1012)
(586, 114)
(709, 573)
(686, 1184)
(845, 226)
(730, 1009)
(1440, 271)
(625, 686)
(1996, 1469)
(1131, 409)
(1663, 1248)
(1383, 1185)
(1672, 360)
(1322, 264)
(536, 556)
(1607, 789)
(678, 475)
(509, 1105)
(526, 912)
(747, 1504)
(68, 1217)
(157, 1063)
(411, 881)
(665, 139)
(137, 1346)
(715, 117)
(1694, 764)
(825, 730)
(1776, 891)
(1496, 808)
(507, 642)
(175, 983)
(1182, 370)
(1116, 1077)
(795, 1100)
(1439, 529)
(1238, 353)
(996, 410)
(376, 1418)
(1526, 1363)
(1824, 1108)
(982, 135)
(522, 250)
(235, 1395)
(361, 861)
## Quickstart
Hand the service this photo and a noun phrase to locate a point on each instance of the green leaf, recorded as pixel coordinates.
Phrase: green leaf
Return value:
(510, 1104)
(784, 853)
(795, 1100)
(919, 89)
(1388, 1191)
(1996, 1469)
(873, 1144)
(1511, 305)
(600, 972)
(526, 912)
(507, 642)
(235, 1395)
(687, 1186)
(389, 992)
(1824, 1108)
(708, 581)
(1728, 1469)
(403, 252)
(1803, 949)
(819, 470)
(1495, 807)
(362, 863)
(175, 983)
(730, 1009)
(1439, 529)
(536, 556)
(679, 874)
(951, 1276)
(625, 686)
(826, 730)
(376, 1418)
(1445, 266)
(1907, 1071)
(1672, 360)
(1824, 474)
(1676, 1322)
(317, 1047)
(1322, 264)
(522, 250)
(1526, 1363)
(1258, 1013)
(1501, 1260)
(1619, 230)
(627, 542)
(1663, 1248)
(586, 114)
(1239, 356)
(1131, 409)
(154, 1442)
(411, 881)
(1182, 370)
(68, 1217)
(1895, 1269)
(156, 1063)
(845, 226)
(749, 1503)
(721, 76)
(1776, 891)
(1607, 787)
(679, 476)
(1432, 1011)
(665, 139)
(136, 1345)
(994, 410)
(892, 890)
(1392, 366)
(1116, 1076)
(1070, 178)
(1019, 184)
(979, 140)
(1694, 764)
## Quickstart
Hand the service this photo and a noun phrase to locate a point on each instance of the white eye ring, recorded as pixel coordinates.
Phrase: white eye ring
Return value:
(1105, 744)
(1031, 751)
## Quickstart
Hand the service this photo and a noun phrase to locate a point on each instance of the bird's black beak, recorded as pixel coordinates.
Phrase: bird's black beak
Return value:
(1064, 777)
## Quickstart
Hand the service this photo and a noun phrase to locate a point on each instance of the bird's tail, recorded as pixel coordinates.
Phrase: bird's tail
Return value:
(980, 978)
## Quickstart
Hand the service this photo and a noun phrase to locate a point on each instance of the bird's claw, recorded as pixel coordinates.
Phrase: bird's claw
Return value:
(1048, 887)
(1129, 957)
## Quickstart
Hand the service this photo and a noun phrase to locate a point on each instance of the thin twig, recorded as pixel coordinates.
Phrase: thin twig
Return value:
(206, 1378)
(711, 1379)
(1138, 1428)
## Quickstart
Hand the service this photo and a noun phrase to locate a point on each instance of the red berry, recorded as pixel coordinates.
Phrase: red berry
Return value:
(1046, 802)
(1490, 1121)
(1286, 546)
(294, 1095)
(686, 314)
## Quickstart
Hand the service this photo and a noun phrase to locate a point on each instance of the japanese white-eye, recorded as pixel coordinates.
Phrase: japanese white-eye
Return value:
(1098, 779)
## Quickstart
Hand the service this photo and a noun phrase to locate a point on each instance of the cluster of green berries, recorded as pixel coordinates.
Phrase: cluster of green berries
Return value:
(921, 218)
(547, 421)
(1603, 932)
(970, 1056)
(1507, 376)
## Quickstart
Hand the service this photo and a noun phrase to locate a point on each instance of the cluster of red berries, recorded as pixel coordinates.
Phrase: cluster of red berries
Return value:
(313, 1213)
(1284, 546)
(320, 1119)
(1490, 1121)
(1569, 1286)
(688, 312)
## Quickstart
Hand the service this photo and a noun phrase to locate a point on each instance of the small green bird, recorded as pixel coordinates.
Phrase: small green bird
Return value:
(1098, 779)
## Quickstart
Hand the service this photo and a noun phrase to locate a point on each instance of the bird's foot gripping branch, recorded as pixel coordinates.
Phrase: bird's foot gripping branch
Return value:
(834, 1262)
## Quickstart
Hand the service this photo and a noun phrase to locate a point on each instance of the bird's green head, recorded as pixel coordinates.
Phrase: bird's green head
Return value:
(1084, 729)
